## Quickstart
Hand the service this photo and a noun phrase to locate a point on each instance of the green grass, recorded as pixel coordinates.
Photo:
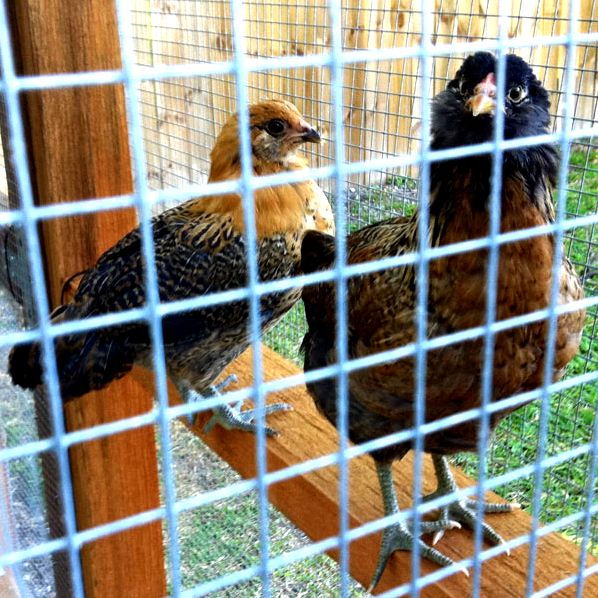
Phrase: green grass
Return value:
(397, 197)
(223, 537)
(219, 535)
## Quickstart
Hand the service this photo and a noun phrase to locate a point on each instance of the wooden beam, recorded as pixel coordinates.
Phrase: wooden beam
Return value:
(311, 500)
(115, 477)
(79, 149)
(8, 586)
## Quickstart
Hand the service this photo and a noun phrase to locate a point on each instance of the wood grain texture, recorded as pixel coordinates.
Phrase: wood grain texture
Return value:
(115, 477)
(79, 149)
(311, 501)
(79, 146)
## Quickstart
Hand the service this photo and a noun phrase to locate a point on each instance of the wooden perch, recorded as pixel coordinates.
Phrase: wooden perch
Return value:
(311, 500)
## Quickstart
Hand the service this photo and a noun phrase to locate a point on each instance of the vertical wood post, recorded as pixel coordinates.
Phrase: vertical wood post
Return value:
(79, 149)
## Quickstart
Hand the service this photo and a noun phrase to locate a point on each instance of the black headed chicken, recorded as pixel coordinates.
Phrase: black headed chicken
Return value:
(200, 248)
(381, 305)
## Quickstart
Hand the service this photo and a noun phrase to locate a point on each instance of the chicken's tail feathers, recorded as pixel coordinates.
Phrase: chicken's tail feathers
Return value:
(317, 254)
(85, 361)
(24, 361)
(317, 251)
(92, 361)
(24, 366)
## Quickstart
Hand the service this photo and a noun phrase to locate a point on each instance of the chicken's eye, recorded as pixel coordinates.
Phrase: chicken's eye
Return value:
(275, 127)
(516, 94)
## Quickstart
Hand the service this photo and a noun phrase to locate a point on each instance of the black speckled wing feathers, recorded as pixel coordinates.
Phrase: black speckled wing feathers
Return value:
(196, 254)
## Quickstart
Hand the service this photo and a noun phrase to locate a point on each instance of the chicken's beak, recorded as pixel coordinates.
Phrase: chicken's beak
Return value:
(483, 100)
(308, 133)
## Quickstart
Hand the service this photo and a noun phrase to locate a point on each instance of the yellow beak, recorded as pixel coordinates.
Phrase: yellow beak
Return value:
(483, 100)
(482, 104)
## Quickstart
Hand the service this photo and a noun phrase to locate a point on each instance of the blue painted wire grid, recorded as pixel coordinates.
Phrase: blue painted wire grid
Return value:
(144, 198)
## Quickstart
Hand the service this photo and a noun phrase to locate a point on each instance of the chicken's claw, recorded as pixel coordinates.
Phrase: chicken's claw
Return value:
(438, 528)
(216, 389)
(232, 418)
(228, 416)
(398, 537)
(462, 511)
(192, 396)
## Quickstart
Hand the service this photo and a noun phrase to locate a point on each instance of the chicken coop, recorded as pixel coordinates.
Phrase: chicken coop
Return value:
(109, 114)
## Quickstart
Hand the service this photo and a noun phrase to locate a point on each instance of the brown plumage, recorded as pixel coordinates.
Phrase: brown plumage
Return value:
(382, 305)
(200, 248)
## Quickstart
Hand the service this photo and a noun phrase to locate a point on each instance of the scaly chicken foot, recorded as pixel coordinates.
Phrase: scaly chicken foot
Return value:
(398, 536)
(462, 511)
(228, 416)
(232, 418)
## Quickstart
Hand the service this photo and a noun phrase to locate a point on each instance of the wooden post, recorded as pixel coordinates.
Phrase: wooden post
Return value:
(79, 149)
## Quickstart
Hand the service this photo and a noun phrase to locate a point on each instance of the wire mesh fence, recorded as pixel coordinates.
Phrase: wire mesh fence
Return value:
(365, 73)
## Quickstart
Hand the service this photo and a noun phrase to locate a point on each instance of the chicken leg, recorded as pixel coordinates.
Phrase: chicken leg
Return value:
(398, 536)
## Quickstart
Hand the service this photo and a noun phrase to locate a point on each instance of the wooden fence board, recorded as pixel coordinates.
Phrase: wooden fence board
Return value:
(382, 99)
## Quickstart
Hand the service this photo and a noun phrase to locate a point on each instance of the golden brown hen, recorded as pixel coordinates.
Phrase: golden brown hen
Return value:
(382, 305)
(200, 248)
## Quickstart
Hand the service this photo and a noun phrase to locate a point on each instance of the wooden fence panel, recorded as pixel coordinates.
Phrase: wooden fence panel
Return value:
(382, 99)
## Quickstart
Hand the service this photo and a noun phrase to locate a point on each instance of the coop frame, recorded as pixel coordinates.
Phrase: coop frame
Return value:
(86, 422)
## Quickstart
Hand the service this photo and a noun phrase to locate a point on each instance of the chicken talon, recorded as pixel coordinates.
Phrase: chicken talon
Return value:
(433, 527)
(189, 396)
(491, 535)
(450, 524)
(493, 507)
(398, 536)
(209, 426)
(232, 418)
(507, 550)
(229, 416)
(464, 511)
